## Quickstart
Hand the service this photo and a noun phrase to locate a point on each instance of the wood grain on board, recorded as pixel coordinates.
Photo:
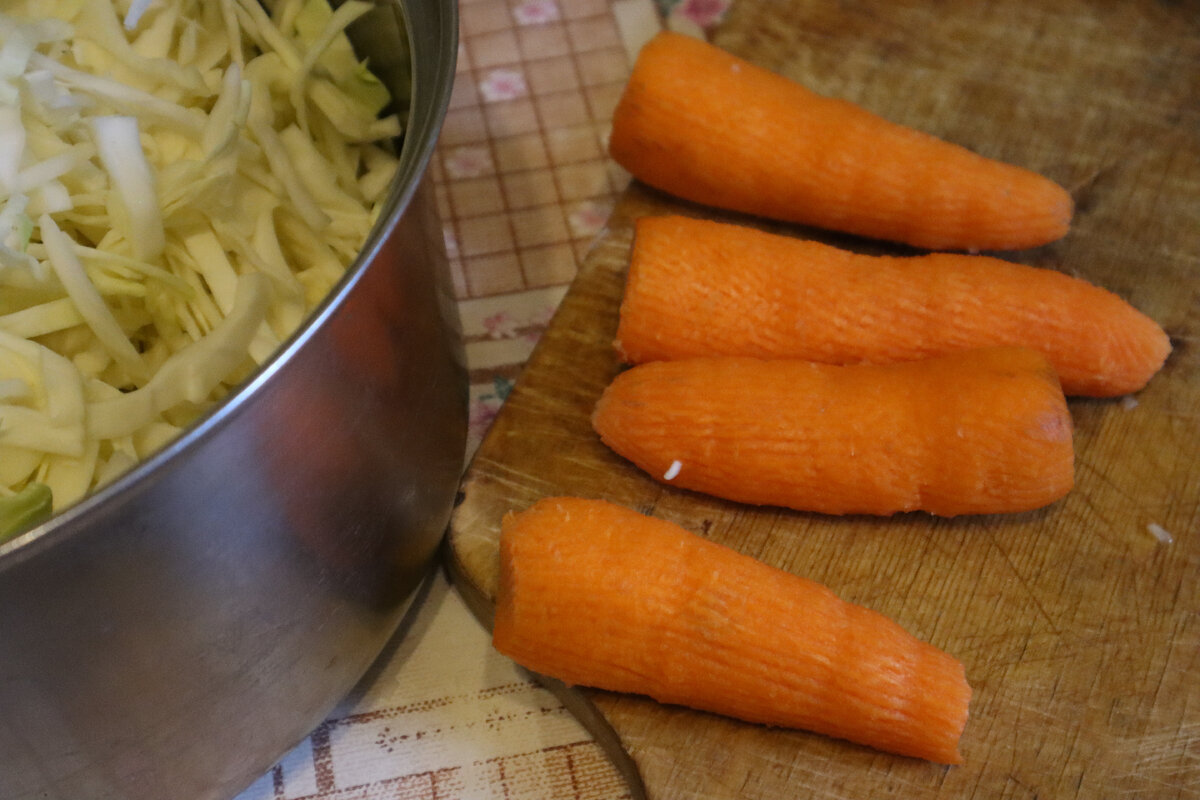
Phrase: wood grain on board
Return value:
(1078, 624)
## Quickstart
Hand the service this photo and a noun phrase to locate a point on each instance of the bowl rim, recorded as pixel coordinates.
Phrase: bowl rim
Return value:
(432, 81)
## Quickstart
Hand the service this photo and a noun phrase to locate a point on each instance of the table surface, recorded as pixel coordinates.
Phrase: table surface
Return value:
(525, 191)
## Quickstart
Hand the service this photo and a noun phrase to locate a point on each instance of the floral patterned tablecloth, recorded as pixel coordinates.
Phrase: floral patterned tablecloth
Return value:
(523, 187)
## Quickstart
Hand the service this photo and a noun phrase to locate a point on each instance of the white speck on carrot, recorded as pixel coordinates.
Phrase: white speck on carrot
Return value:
(672, 470)
(1160, 533)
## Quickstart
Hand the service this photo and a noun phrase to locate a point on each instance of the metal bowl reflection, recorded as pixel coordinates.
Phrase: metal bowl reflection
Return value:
(174, 634)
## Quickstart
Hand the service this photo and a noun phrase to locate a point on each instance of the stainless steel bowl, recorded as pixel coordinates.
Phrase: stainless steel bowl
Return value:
(174, 634)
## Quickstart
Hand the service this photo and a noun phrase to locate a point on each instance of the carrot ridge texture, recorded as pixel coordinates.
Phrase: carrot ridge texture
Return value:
(704, 125)
(976, 432)
(703, 288)
(596, 594)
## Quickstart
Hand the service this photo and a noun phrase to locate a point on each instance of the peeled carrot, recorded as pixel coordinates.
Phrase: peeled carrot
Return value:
(701, 288)
(975, 432)
(704, 125)
(596, 594)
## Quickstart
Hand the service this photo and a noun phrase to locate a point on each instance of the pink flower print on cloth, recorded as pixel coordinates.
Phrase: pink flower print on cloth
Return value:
(705, 13)
(588, 218)
(503, 84)
(500, 325)
(468, 162)
(536, 12)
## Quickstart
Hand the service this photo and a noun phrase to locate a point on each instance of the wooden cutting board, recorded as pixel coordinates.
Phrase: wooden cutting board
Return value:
(1079, 627)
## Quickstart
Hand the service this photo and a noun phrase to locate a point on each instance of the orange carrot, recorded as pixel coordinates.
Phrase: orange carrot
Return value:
(596, 594)
(974, 432)
(700, 288)
(709, 127)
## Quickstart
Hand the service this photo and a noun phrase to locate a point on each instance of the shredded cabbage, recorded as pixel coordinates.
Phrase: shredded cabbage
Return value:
(180, 183)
